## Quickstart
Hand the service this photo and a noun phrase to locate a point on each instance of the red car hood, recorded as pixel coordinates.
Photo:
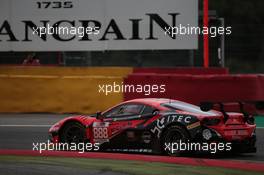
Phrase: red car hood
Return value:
(84, 119)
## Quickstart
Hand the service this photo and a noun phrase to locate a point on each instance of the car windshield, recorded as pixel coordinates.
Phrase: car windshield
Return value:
(177, 105)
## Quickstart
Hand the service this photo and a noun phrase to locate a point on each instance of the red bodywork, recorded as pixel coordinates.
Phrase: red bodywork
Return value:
(234, 128)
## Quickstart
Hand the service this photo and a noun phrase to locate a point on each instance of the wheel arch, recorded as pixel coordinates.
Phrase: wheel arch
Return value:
(157, 146)
(175, 124)
(71, 120)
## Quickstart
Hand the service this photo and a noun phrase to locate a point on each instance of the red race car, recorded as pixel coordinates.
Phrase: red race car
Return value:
(159, 126)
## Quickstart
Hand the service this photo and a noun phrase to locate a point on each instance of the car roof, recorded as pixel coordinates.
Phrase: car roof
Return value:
(153, 101)
(156, 102)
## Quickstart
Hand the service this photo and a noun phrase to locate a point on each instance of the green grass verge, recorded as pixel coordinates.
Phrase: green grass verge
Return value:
(259, 121)
(128, 167)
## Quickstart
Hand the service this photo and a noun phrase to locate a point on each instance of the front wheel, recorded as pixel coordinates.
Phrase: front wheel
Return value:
(73, 132)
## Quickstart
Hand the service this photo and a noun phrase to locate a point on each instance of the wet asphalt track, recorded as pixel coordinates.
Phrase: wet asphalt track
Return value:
(20, 131)
(46, 169)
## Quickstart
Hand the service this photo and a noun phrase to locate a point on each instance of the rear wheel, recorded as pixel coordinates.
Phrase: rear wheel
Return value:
(172, 138)
(73, 132)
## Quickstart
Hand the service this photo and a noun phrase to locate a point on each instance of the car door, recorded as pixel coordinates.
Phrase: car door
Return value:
(117, 120)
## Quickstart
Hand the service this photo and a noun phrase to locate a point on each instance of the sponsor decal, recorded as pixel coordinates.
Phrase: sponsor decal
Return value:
(161, 123)
(194, 125)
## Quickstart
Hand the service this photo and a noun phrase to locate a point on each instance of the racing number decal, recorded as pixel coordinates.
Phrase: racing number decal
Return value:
(100, 133)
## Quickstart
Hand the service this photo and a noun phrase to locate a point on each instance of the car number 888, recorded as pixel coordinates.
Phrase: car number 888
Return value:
(100, 133)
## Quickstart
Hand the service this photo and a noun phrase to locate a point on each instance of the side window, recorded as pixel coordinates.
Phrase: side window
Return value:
(114, 111)
(148, 110)
(125, 110)
(132, 109)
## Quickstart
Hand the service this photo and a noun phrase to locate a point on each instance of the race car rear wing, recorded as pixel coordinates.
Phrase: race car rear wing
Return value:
(247, 108)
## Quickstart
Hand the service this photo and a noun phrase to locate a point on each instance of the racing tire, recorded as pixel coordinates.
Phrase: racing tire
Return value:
(173, 136)
(73, 132)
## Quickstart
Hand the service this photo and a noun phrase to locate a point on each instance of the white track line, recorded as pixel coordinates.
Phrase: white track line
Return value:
(38, 126)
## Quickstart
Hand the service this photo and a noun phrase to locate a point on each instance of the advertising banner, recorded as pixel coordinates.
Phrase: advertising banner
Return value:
(95, 25)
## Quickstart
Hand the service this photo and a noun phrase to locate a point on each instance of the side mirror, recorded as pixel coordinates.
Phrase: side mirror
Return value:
(206, 106)
(99, 115)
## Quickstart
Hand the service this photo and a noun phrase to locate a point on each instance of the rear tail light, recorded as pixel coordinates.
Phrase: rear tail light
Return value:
(211, 121)
(250, 120)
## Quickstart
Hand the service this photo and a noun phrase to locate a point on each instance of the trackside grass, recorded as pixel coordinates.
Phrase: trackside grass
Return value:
(259, 121)
(118, 166)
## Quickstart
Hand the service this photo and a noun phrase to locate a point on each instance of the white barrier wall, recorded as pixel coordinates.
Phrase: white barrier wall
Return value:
(95, 24)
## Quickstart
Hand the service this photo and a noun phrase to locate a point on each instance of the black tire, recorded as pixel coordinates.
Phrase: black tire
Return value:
(73, 132)
(173, 134)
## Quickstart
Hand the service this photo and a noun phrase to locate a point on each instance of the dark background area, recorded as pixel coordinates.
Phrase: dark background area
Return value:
(244, 48)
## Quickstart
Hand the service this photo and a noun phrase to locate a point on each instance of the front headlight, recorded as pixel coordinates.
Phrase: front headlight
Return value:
(55, 127)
